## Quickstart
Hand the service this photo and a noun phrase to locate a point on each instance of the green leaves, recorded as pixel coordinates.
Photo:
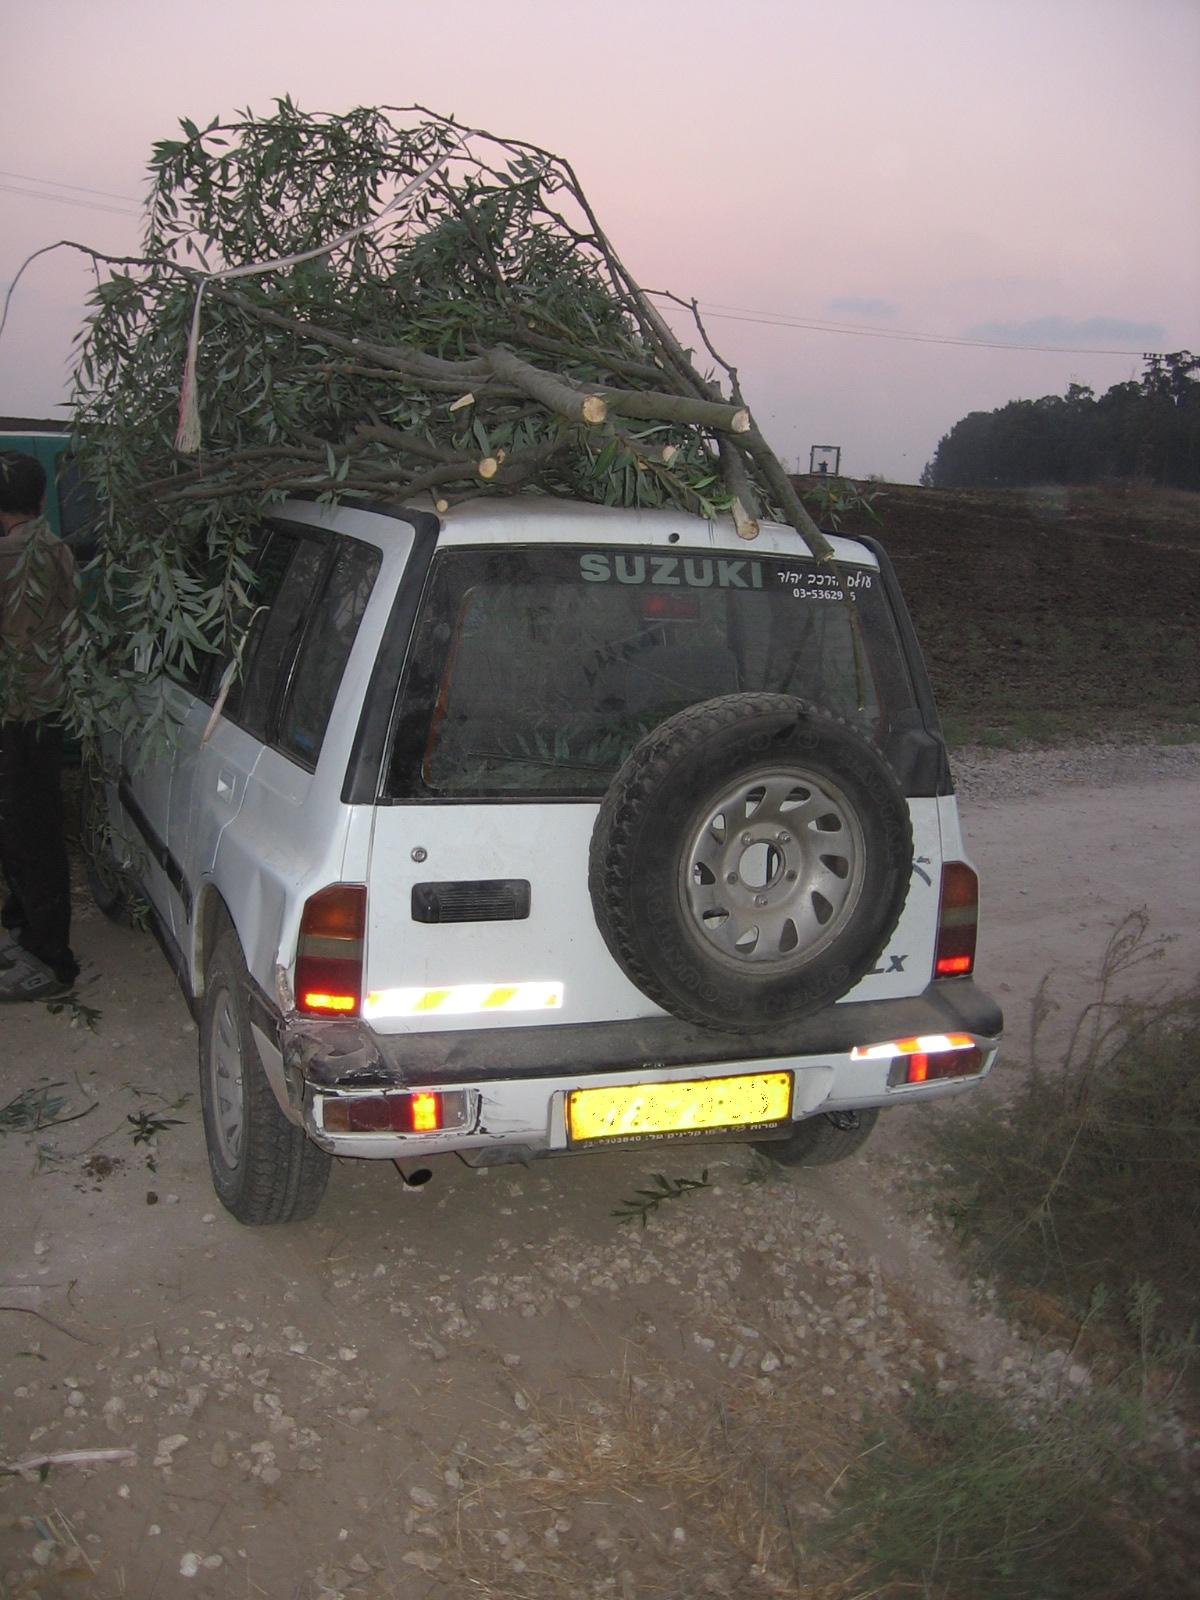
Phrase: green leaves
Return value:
(645, 1201)
(147, 1125)
(499, 250)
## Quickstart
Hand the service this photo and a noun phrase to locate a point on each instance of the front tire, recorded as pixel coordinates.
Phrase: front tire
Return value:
(264, 1168)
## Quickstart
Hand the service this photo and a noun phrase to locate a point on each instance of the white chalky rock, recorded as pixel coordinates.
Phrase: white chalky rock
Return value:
(167, 1448)
(189, 1566)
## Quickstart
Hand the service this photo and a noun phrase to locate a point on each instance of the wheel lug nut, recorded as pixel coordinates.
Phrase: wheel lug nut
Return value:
(784, 838)
(791, 877)
(746, 838)
(732, 878)
(760, 899)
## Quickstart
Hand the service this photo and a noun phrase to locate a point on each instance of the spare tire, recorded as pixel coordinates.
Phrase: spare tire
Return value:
(750, 861)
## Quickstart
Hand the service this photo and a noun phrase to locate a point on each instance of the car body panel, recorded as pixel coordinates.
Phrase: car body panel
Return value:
(239, 823)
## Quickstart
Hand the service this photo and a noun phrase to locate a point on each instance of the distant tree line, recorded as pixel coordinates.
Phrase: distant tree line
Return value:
(1147, 429)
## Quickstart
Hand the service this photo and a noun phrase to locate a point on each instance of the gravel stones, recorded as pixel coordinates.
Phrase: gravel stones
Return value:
(982, 776)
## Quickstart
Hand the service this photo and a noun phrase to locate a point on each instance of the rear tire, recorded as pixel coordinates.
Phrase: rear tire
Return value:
(820, 1141)
(264, 1168)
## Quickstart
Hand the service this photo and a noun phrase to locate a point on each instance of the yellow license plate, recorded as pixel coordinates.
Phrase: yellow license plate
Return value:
(644, 1111)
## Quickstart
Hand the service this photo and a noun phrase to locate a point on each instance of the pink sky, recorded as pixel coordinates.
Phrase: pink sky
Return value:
(1016, 170)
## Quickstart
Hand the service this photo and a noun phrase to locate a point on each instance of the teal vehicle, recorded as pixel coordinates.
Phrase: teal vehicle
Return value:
(67, 505)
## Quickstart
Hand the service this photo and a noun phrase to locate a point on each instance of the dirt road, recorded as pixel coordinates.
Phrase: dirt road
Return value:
(489, 1386)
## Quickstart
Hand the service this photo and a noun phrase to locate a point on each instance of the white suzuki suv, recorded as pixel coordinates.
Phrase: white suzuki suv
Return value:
(541, 828)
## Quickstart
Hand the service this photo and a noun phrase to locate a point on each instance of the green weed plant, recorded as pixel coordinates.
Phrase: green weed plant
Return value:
(1086, 1187)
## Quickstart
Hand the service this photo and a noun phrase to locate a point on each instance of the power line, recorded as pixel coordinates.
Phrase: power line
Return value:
(67, 200)
(783, 319)
(766, 319)
(82, 188)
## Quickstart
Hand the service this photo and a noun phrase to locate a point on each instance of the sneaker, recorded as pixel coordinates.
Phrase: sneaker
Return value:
(27, 978)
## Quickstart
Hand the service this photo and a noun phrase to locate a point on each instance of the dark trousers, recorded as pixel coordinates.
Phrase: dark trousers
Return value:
(33, 848)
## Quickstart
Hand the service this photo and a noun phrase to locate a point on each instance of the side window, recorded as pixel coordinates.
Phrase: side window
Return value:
(203, 674)
(276, 633)
(325, 650)
(270, 563)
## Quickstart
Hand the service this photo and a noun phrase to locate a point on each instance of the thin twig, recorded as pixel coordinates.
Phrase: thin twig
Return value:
(30, 1312)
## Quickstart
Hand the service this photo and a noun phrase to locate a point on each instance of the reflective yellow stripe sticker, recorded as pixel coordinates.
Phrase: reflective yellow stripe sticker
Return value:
(463, 999)
(499, 998)
(431, 999)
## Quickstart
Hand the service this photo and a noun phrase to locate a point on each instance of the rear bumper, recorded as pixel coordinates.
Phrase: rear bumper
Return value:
(513, 1082)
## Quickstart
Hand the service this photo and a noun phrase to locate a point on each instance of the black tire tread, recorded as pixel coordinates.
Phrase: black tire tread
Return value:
(640, 775)
(818, 1142)
(282, 1174)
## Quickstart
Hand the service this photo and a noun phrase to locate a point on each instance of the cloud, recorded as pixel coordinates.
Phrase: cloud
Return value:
(1070, 331)
(859, 306)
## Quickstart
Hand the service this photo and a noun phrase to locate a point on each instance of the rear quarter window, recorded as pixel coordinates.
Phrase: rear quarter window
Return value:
(324, 650)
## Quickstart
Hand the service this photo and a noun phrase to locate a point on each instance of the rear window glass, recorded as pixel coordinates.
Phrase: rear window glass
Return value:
(536, 670)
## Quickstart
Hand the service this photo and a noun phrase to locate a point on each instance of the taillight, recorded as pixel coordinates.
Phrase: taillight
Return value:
(329, 951)
(420, 1111)
(924, 1059)
(958, 922)
(924, 1068)
(670, 608)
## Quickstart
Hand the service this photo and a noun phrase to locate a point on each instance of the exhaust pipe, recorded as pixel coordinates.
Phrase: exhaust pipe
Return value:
(412, 1177)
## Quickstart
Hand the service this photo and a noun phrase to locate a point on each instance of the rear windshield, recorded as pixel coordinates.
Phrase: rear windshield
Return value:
(535, 670)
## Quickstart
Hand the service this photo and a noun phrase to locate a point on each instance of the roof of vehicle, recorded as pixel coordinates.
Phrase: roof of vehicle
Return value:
(543, 519)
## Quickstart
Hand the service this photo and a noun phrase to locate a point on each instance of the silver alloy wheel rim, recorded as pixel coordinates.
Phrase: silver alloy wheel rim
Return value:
(225, 1081)
(774, 871)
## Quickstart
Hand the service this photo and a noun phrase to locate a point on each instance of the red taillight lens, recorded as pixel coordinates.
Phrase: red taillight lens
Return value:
(383, 1113)
(922, 1068)
(958, 922)
(329, 951)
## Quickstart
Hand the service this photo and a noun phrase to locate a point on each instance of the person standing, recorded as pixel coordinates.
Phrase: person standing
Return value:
(37, 602)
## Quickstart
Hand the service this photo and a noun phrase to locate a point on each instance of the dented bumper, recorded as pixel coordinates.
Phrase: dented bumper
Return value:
(506, 1090)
